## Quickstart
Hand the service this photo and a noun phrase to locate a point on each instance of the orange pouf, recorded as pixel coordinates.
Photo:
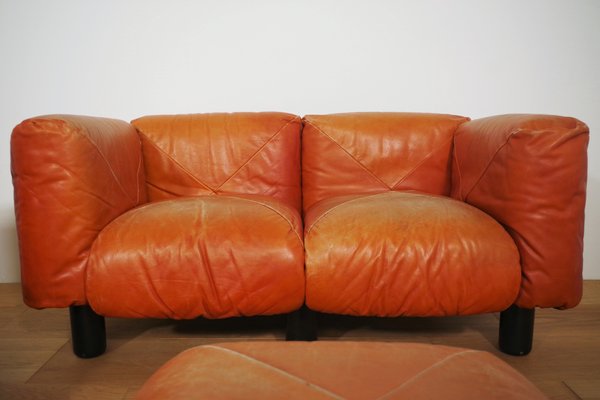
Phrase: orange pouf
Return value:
(336, 370)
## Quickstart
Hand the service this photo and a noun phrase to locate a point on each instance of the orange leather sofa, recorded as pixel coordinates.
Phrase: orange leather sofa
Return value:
(202, 215)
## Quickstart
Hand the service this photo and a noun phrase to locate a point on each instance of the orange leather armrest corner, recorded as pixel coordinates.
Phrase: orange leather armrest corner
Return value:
(72, 175)
(529, 172)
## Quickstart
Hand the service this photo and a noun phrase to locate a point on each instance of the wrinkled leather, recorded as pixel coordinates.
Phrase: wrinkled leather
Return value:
(72, 175)
(238, 153)
(210, 256)
(529, 173)
(376, 152)
(336, 370)
(401, 253)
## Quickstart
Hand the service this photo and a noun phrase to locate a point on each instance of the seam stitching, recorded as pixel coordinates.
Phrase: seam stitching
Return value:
(176, 195)
(459, 172)
(335, 207)
(276, 369)
(163, 152)
(427, 157)
(351, 156)
(272, 209)
(137, 175)
(489, 163)
(423, 372)
(257, 151)
(112, 171)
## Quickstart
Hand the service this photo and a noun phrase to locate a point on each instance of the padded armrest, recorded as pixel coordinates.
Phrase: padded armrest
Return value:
(529, 172)
(72, 175)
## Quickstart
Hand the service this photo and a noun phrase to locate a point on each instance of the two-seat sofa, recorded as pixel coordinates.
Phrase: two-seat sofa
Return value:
(243, 214)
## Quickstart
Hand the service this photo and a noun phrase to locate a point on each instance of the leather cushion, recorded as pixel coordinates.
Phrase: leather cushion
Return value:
(407, 253)
(211, 256)
(336, 370)
(356, 153)
(222, 153)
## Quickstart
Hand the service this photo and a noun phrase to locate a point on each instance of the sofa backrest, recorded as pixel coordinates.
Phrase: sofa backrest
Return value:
(360, 153)
(237, 153)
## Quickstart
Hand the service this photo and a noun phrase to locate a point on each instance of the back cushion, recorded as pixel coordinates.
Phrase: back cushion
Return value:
(205, 154)
(376, 152)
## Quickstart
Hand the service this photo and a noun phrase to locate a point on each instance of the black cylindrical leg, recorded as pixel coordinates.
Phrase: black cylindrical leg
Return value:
(516, 330)
(88, 332)
(302, 325)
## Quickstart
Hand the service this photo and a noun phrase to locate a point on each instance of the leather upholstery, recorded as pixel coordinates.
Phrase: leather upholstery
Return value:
(372, 248)
(529, 173)
(221, 236)
(72, 175)
(222, 233)
(210, 256)
(407, 253)
(204, 154)
(336, 370)
(376, 152)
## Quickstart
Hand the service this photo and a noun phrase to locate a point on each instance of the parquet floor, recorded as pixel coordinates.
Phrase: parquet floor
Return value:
(36, 361)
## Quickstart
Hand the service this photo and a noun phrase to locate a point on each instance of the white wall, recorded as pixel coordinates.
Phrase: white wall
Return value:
(128, 58)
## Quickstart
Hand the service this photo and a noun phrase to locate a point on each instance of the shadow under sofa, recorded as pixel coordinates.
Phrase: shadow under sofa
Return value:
(243, 214)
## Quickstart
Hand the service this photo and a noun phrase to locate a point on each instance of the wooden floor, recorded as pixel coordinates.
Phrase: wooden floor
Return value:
(36, 361)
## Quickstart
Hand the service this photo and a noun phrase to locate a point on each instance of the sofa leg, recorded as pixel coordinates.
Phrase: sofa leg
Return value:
(88, 332)
(302, 325)
(516, 330)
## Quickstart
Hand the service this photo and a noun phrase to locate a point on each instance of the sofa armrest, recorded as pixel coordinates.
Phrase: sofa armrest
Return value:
(529, 172)
(72, 175)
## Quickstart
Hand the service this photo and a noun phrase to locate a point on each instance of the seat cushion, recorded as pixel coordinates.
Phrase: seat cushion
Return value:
(210, 256)
(336, 370)
(407, 253)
